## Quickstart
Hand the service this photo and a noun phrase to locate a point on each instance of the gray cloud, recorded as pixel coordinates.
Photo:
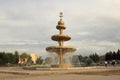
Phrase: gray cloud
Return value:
(88, 21)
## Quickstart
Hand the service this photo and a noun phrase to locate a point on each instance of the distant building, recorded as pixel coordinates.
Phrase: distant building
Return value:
(33, 56)
(22, 61)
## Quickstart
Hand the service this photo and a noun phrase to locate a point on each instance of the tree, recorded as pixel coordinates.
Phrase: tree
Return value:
(112, 55)
(1, 58)
(39, 61)
(88, 61)
(29, 60)
(118, 54)
(5, 58)
(24, 55)
(109, 56)
(95, 57)
(11, 58)
(80, 57)
(16, 57)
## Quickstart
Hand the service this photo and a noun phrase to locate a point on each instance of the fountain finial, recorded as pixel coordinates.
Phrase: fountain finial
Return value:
(61, 15)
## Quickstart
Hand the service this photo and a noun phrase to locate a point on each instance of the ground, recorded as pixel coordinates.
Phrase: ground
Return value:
(89, 73)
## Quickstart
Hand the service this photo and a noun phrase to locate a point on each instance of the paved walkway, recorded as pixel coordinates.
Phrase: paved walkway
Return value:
(59, 77)
(42, 71)
(86, 73)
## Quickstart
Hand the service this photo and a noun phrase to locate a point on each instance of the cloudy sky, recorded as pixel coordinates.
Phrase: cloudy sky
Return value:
(27, 25)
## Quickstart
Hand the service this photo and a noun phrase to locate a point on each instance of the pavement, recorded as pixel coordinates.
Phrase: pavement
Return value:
(80, 73)
(42, 71)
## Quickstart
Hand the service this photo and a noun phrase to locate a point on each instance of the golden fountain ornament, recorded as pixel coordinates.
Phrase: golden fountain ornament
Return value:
(61, 50)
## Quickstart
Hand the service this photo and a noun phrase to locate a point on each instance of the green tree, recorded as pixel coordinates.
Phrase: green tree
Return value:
(109, 56)
(24, 55)
(88, 61)
(114, 56)
(29, 60)
(39, 61)
(1, 58)
(5, 58)
(80, 57)
(11, 58)
(16, 57)
(118, 54)
(95, 57)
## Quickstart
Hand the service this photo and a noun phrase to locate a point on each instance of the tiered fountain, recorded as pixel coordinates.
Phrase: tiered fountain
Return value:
(61, 50)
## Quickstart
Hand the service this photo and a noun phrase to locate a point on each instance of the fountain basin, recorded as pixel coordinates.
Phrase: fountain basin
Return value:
(61, 66)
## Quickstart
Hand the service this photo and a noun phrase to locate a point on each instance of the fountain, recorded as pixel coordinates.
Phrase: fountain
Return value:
(61, 50)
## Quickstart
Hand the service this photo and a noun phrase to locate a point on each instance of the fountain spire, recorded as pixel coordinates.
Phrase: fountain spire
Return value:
(61, 15)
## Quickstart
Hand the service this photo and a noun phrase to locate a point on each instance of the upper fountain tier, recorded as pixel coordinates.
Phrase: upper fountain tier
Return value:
(60, 37)
(60, 25)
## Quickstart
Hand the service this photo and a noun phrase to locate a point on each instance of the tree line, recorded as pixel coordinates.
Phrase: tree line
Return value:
(112, 55)
(86, 60)
(13, 58)
(97, 59)
(7, 57)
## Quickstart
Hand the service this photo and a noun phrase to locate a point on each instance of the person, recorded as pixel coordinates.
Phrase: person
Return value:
(113, 63)
(106, 63)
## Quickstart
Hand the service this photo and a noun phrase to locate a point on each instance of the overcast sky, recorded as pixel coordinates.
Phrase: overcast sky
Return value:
(27, 25)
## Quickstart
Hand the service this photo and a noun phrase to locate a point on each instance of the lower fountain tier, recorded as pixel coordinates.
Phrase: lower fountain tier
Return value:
(59, 37)
(58, 49)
